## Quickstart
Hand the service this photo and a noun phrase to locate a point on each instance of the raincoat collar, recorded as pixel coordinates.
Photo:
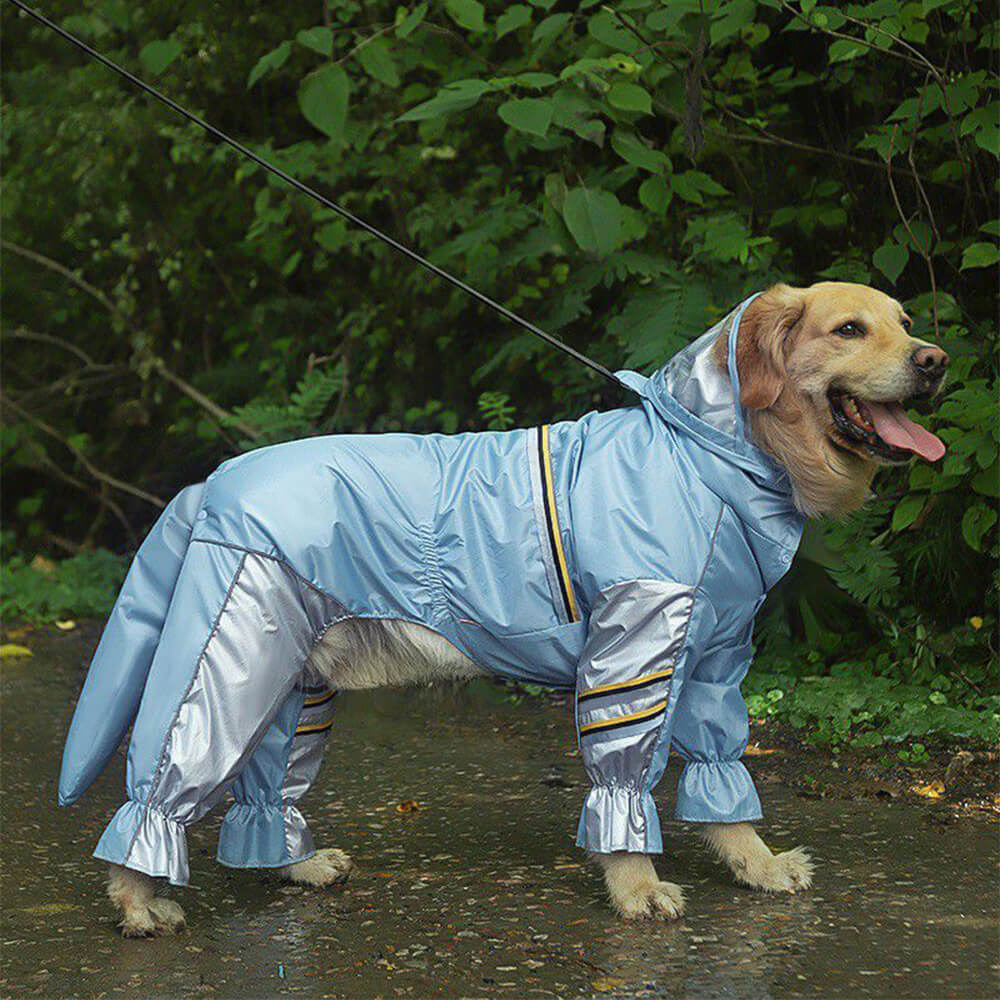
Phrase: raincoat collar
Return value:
(690, 393)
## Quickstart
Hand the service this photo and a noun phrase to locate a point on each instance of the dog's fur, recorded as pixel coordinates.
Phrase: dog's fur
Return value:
(790, 354)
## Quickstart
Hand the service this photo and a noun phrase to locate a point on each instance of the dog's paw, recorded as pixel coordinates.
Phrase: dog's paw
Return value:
(657, 900)
(326, 867)
(159, 916)
(787, 872)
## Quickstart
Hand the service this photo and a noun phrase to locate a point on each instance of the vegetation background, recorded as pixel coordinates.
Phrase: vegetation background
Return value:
(621, 173)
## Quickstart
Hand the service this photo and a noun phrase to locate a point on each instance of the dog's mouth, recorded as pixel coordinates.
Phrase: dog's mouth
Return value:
(881, 430)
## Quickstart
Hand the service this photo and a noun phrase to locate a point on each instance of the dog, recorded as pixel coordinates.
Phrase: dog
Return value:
(624, 554)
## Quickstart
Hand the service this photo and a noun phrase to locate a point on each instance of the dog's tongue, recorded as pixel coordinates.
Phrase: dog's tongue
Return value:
(896, 428)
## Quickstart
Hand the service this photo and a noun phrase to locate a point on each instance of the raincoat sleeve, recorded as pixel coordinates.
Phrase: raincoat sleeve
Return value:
(711, 732)
(264, 827)
(642, 637)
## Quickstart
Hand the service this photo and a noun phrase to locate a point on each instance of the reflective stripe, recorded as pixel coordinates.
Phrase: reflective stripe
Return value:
(639, 682)
(320, 699)
(624, 720)
(318, 727)
(552, 524)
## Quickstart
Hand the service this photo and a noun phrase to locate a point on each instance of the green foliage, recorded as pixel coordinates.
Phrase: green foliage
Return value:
(620, 173)
(84, 584)
(850, 707)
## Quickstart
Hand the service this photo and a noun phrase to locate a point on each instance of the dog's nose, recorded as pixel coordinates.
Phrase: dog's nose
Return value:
(930, 361)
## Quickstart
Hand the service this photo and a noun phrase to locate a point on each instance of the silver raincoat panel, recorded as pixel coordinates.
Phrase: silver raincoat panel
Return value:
(622, 555)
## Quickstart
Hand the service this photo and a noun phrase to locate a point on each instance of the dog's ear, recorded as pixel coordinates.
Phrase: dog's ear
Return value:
(766, 327)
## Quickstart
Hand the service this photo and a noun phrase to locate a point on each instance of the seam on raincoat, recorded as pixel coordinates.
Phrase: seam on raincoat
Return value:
(674, 688)
(157, 774)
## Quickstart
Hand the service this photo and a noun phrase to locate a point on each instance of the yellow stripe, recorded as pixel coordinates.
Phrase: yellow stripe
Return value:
(318, 727)
(560, 556)
(318, 699)
(625, 685)
(635, 717)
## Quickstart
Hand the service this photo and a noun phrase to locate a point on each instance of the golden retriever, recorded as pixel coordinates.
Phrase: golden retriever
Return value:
(825, 372)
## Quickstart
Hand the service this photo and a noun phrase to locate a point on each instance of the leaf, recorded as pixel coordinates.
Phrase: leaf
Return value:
(323, 99)
(594, 219)
(630, 97)
(988, 138)
(157, 56)
(633, 150)
(977, 521)
(11, 651)
(842, 50)
(527, 115)
(318, 39)
(288, 268)
(457, 96)
(274, 59)
(655, 194)
(553, 25)
(608, 30)
(932, 790)
(987, 482)
(513, 18)
(980, 255)
(908, 510)
(691, 185)
(408, 22)
(466, 14)
(731, 19)
(890, 259)
(377, 62)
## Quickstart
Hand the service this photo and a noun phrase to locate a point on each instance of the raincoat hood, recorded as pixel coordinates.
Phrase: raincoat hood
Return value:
(701, 403)
(691, 393)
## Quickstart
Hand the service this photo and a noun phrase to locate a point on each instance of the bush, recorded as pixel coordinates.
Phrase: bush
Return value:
(622, 174)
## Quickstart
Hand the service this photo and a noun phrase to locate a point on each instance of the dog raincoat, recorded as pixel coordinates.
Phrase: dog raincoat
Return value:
(623, 554)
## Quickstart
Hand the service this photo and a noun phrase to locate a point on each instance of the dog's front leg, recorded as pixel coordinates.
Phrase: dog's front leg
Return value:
(143, 913)
(751, 861)
(636, 891)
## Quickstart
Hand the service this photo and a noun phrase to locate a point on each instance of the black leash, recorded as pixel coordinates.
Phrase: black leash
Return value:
(322, 199)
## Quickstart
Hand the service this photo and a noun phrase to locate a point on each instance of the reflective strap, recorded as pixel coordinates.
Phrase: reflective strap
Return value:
(638, 682)
(552, 525)
(624, 720)
(319, 699)
(313, 728)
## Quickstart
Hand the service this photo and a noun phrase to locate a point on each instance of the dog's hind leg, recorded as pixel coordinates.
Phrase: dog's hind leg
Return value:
(264, 828)
(752, 862)
(234, 646)
(327, 866)
(144, 914)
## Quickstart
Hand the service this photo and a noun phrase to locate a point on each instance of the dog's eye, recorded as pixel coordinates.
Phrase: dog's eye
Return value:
(850, 330)
(907, 323)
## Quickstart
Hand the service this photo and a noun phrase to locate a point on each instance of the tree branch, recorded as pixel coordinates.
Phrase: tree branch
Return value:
(97, 473)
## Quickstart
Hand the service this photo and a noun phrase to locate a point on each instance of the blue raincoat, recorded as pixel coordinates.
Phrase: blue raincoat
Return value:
(623, 554)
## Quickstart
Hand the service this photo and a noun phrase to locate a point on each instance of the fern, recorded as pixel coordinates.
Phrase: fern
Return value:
(300, 417)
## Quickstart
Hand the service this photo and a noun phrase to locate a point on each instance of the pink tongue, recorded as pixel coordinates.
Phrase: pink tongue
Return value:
(896, 428)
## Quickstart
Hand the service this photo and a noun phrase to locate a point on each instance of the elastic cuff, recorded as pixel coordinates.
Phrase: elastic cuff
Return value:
(717, 792)
(141, 838)
(616, 818)
(272, 836)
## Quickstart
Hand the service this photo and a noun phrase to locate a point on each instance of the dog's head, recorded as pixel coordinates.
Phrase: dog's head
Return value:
(826, 373)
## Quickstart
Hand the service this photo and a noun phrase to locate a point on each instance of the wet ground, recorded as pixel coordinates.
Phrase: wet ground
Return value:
(459, 807)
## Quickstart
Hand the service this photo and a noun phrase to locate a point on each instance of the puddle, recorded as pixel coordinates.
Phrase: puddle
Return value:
(478, 891)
